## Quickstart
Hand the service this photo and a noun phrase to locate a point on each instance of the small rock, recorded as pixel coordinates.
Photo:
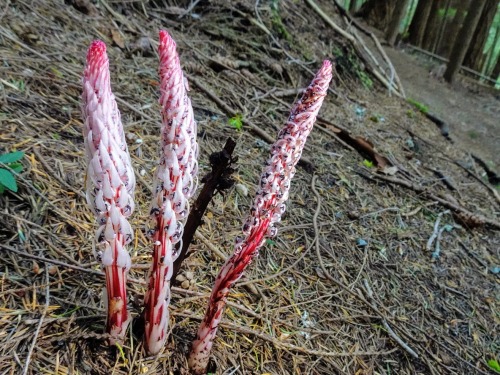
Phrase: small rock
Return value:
(36, 268)
(185, 284)
(131, 136)
(241, 189)
(181, 278)
(189, 275)
(361, 242)
(143, 46)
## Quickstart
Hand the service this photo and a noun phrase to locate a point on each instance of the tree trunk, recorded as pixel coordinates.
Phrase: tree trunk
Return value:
(432, 27)
(456, 24)
(496, 70)
(463, 39)
(353, 6)
(442, 26)
(377, 13)
(397, 17)
(419, 22)
(491, 54)
(474, 58)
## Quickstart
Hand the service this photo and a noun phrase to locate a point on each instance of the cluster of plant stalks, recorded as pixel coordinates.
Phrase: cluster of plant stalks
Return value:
(110, 189)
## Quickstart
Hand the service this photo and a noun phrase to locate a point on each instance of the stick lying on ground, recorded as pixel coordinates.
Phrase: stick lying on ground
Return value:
(269, 205)
(110, 183)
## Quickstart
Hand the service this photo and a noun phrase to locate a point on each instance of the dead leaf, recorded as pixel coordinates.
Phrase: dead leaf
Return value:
(143, 46)
(118, 38)
(391, 171)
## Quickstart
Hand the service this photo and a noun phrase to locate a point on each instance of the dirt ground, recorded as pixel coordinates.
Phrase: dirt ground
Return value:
(387, 258)
(472, 111)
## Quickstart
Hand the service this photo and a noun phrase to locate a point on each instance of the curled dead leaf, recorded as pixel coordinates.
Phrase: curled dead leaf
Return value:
(117, 38)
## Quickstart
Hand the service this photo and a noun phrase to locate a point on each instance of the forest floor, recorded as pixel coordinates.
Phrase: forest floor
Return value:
(471, 110)
(386, 261)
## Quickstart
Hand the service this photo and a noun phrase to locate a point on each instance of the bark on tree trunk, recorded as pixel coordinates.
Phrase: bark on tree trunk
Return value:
(496, 70)
(432, 27)
(353, 6)
(419, 22)
(377, 13)
(442, 26)
(456, 24)
(491, 54)
(463, 39)
(474, 57)
(397, 17)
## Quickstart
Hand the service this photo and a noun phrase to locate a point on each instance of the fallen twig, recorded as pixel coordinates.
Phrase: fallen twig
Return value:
(437, 250)
(51, 261)
(446, 203)
(360, 46)
(436, 230)
(39, 326)
(221, 163)
(42, 160)
(283, 345)
(398, 339)
(352, 21)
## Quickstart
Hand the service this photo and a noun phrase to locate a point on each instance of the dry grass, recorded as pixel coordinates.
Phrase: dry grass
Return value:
(324, 304)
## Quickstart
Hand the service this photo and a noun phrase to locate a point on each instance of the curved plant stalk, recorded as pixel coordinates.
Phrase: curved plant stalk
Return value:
(268, 206)
(110, 183)
(175, 182)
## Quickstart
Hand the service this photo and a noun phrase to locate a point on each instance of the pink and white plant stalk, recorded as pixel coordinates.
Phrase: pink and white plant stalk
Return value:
(268, 206)
(110, 184)
(175, 182)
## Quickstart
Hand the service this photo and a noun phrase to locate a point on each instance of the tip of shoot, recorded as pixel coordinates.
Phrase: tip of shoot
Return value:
(166, 41)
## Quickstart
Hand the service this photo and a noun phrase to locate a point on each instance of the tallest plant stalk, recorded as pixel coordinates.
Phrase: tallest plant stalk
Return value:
(175, 183)
(110, 183)
(268, 206)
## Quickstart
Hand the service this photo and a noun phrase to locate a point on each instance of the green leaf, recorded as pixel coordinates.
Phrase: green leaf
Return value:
(16, 167)
(270, 242)
(493, 364)
(368, 163)
(7, 179)
(2, 189)
(11, 157)
(236, 121)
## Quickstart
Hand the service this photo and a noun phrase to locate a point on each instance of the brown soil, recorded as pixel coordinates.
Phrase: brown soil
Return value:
(349, 286)
(471, 110)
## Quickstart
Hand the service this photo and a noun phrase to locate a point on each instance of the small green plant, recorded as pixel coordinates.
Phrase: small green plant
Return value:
(421, 107)
(368, 163)
(349, 63)
(366, 81)
(236, 121)
(410, 113)
(7, 179)
(473, 134)
(278, 22)
(494, 365)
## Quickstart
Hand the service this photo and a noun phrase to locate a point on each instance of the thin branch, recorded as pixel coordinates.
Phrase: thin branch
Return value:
(37, 332)
(221, 170)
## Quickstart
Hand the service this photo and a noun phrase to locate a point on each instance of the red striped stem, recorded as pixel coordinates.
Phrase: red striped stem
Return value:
(269, 205)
